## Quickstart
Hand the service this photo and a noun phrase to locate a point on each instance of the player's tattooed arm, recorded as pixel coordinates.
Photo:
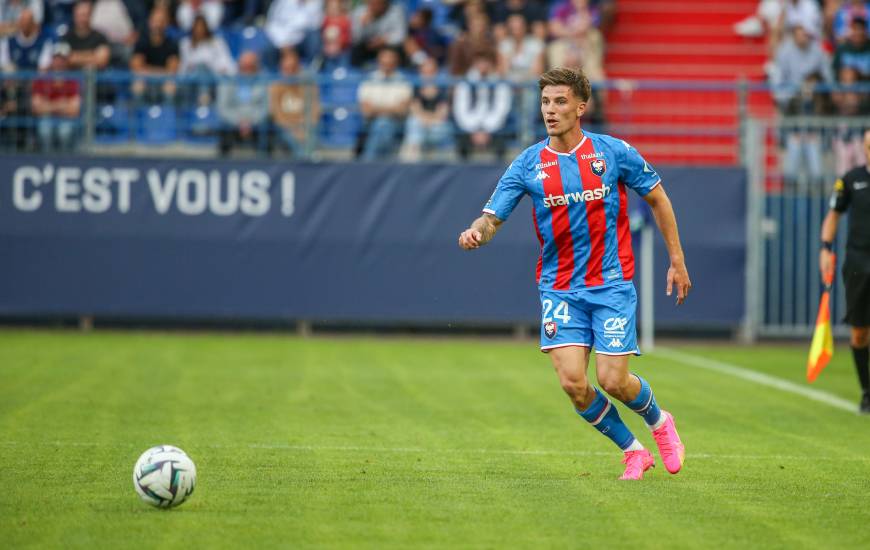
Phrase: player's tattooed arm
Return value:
(482, 230)
(663, 212)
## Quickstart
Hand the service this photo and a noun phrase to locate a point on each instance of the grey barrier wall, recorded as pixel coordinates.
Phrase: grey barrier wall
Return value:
(133, 238)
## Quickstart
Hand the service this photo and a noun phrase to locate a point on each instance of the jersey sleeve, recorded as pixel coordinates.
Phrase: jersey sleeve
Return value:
(636, 173)
(840, 197)
(508, 192)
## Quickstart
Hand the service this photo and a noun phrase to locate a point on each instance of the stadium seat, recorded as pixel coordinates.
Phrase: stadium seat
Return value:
(201, 125)
(340, 127)
(112, 124)
(157, 124)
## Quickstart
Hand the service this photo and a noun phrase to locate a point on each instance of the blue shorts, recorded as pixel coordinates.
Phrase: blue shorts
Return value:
(603, 318)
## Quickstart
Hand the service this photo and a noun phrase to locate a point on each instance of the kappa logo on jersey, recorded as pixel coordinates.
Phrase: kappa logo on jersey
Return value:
(615, 343)
(598, 166)
(647, 169)
(550, 329)
(578, 196)
(541, 175)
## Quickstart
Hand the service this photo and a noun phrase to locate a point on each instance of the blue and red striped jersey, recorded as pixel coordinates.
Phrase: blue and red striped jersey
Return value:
(580, 208)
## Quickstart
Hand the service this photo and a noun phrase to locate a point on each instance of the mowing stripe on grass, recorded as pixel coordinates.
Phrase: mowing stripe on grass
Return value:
(757, 377)
(430, 451)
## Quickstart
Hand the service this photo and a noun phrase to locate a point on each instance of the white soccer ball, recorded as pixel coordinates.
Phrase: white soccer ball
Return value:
(164, 476)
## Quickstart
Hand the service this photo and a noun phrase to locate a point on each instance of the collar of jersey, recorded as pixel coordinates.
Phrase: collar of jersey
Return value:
(571, 152)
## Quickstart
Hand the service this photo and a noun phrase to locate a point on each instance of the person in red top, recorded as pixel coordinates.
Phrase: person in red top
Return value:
(56, 101)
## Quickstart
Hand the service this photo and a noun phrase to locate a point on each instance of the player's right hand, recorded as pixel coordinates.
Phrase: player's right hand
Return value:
(470, 239)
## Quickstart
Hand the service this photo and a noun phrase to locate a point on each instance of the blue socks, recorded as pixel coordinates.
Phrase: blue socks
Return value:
(645, 403)
(604, 418)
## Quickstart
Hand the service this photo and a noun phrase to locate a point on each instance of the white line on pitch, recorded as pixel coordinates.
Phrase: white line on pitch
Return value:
(759, 378)
(420, 450)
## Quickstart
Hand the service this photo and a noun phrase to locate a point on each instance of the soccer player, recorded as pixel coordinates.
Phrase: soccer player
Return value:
(852, 192)
(577, 181)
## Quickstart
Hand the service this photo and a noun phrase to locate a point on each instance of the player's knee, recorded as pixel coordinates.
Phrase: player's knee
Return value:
(860, 337)
(615, 385)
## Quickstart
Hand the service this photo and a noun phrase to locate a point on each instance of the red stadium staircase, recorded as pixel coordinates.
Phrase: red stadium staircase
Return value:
(655, 43)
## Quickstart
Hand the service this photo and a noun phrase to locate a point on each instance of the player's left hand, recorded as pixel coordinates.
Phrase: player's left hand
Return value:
(679, 276)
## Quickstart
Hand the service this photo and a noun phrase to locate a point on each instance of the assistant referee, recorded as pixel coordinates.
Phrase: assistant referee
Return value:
(852, 192)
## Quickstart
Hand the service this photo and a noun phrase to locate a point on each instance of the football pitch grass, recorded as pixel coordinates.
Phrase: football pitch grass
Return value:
(391, 443)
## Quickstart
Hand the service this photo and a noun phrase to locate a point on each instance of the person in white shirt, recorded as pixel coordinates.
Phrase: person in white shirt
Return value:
(295, 24)
(481, 105)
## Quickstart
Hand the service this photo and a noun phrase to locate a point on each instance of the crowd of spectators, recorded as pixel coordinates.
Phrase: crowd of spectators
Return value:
(819, 65)
(432, 74)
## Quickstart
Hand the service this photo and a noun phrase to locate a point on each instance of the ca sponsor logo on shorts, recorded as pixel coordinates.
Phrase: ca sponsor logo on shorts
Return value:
(615, 324)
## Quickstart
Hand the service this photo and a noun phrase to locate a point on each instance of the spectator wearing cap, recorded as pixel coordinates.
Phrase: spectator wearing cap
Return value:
(295, 24)
(29, 49)
(89, 48)
(243, 106)
(293, 104)
(375, 25)
(854, 52)
(155, 55)
(481, 106)
(384, 97)
(477, 40)
(56, 102)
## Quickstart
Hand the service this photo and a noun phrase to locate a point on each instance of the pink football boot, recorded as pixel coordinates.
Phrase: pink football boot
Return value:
(636, 463)
(671, 449)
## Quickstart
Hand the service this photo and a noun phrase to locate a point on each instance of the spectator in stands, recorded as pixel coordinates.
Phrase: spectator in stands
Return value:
(803, 143)
(577, 43)
(203, 53)
(520, 54)
(111, 19)
(848, 142)
(384, 98)
(336, 24)
(58, 13)
(56, 102)
(855, 51)
(29, 49)
(795, 60)
(212, 10)
(481, 106)
(155, 55)
(295, 24)
(375, 25)
(89, 48)
(428, 124)
(776, 17)
(533, 12)
(333, 55)
(294, 105)
(848, 10)
(423, 41)
(10, 13)
(243, 105)
(477, 40)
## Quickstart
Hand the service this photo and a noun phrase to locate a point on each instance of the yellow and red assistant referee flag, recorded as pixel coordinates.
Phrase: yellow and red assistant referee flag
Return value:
(822, 347)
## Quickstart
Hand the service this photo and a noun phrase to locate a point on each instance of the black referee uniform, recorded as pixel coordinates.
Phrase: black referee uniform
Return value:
(852, 194)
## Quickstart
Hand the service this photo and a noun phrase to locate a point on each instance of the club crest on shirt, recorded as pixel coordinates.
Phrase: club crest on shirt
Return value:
(550, 329)
(598, 166)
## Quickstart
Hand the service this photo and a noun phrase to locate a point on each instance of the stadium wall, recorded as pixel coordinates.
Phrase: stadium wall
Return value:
(129, 238)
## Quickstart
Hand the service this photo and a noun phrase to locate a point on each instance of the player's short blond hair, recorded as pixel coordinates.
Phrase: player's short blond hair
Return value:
(573, 78)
